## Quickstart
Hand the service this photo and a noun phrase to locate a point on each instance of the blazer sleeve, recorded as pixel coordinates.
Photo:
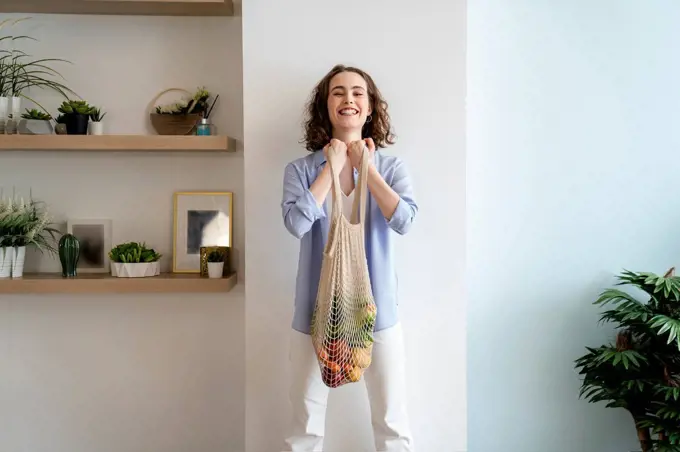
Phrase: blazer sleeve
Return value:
(299, 207)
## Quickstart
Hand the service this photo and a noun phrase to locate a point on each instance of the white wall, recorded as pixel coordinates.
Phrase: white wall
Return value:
(128, 373)
(572, 172)
(416, 55)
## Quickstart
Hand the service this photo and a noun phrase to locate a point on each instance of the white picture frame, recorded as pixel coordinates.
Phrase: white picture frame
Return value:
(95, 240)
(200, 219)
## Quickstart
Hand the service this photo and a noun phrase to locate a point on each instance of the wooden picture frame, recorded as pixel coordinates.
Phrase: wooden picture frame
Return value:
(200, 219)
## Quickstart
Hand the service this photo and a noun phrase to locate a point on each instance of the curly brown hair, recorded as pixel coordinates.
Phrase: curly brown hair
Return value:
(317, 124)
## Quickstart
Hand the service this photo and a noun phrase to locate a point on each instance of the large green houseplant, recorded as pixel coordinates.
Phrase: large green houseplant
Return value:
(640, 370)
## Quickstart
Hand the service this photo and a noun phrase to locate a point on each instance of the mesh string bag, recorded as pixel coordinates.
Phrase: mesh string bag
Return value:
(345, 311)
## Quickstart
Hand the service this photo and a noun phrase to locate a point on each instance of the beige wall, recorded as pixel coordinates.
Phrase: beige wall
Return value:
(128, 373)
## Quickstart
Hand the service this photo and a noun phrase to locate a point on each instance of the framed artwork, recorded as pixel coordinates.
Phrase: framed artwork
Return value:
(95, 243)
(201, 219)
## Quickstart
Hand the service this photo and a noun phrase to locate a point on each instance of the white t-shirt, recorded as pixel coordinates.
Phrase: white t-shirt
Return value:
(347, 201)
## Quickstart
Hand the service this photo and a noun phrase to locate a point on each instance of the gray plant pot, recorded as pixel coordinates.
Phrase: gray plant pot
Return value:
(35, 127)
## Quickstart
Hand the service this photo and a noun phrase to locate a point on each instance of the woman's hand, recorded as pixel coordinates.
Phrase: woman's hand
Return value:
(336, 154)
(356, 149)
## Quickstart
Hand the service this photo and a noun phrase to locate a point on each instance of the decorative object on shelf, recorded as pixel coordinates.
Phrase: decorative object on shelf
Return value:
(60, 128)
(69, 252)
(200, 219)
(180, 118)
(94, 236)
(96, 124)
(35, 122)
(10, 125)
(223, 250)
(134, 260)
(215, 264)
(23, 224)
(205, 127)
(76, 116)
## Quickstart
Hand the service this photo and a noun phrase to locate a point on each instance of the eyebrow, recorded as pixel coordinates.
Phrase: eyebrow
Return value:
(354, 87)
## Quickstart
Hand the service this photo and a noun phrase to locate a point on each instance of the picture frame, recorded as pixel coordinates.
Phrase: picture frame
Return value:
(200, 219)
(94, 236)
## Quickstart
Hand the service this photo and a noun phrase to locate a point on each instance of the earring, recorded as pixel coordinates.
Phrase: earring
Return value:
(369, 118)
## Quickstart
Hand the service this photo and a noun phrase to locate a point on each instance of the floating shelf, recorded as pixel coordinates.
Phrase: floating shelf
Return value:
(121, 7)
(163, 143)
(54, 283)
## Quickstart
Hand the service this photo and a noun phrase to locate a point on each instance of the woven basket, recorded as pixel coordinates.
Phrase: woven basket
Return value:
(172, 124)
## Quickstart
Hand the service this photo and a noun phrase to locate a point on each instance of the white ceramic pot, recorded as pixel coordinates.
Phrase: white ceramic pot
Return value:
(35, 127)
(215, 269)
(4, 107)
(137, 270)
(97, 128)
(18, 260)
(6, 257)
(16, 107)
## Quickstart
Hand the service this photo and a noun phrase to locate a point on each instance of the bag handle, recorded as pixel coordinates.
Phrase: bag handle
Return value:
(361, 200)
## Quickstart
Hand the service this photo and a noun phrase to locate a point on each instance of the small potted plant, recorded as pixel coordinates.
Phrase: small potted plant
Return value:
(23, 224)
(76, 116)
(60, 128)
(215, 264)
(96, 125)
(35, 122)
(181, 117)
(134, 260)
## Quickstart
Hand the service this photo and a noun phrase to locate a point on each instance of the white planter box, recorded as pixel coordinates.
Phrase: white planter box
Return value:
(35, 127)
(18, 260)
(141, 270)
(6, 257)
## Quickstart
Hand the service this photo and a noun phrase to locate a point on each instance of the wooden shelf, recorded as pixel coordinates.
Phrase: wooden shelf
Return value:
(121, 7)
(161, 143)
(54, 283)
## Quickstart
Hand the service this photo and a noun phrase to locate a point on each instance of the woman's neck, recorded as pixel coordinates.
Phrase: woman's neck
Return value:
(347, 136)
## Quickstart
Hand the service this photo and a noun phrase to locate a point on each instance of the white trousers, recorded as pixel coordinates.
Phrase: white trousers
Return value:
(385, 384)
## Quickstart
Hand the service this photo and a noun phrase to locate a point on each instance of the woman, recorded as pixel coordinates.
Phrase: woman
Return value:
(346, 114)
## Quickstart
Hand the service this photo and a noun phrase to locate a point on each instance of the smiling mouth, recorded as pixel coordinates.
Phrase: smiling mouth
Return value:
(349, 112)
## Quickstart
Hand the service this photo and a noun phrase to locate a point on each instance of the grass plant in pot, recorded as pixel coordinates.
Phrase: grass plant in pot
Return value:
(640, 370)
(35, 122)
(76, 116)
(215, 264)
(23, 224)
(21, 73)
(96, 124)
(134, 260)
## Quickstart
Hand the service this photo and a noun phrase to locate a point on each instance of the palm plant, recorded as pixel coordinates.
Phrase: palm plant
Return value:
(640, 371)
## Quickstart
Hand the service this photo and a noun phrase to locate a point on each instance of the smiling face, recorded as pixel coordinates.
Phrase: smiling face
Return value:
(348, 102)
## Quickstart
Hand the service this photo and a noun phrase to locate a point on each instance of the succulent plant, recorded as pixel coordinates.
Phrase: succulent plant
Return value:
(78, 107)
(216, 256)
(96, 114)
(133, 253)
(36, 114)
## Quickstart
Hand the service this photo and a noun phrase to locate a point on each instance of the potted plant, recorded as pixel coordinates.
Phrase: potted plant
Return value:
(215, 264)
(134, 260)
(180, 118)
(60, 127)
(19, 73)
(76, 116)
(96, 125)
(640, 370)
(35, 122)
(22, 224)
